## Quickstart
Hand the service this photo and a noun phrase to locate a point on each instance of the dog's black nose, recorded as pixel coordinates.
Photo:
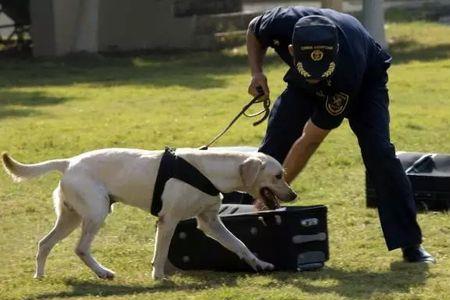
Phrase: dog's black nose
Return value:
(291, 196)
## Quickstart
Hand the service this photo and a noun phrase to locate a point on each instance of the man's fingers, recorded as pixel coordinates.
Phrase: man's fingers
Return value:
(260, 90)
(252, 91)
(265, 89)
(259, 86)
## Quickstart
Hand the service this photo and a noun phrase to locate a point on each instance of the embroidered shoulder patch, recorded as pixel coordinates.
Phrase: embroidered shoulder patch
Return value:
(336, 104)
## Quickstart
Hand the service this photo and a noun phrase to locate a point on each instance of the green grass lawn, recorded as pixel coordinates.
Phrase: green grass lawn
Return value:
(59, 108)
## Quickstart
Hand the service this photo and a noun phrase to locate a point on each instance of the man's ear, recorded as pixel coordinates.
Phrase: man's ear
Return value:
(291, 50)
(249, 170)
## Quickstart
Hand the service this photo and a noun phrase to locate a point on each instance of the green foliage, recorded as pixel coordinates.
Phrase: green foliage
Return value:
(59, 108)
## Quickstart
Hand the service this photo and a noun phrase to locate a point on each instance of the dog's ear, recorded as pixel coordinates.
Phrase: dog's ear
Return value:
(249, 170)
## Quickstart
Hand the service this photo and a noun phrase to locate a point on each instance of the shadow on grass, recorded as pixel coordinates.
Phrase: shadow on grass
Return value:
(90, 288)
(81, 288)
(350, 284)
(23, 104)
(429, 11)
(359, 284)
(404, 50)
(196, 70)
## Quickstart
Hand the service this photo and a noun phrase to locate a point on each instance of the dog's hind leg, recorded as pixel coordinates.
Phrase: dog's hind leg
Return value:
(210, 223)
(90, 199)
(90, 226)
(164, 232)
(67, 220)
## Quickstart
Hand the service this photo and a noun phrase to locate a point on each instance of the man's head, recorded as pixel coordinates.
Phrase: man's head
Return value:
(314, 47)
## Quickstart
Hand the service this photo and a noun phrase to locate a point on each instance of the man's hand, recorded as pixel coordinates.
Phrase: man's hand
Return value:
(302, 150)
(258, 83)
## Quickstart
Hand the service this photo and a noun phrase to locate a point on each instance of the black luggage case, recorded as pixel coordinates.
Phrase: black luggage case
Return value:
(291, 238)
(429, 175)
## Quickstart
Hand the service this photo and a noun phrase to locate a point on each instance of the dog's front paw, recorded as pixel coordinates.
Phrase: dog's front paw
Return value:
(264, 266)
(105, 274)
(259, 265)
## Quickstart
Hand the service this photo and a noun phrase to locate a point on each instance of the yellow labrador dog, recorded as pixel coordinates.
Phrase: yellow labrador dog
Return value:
(91, 180)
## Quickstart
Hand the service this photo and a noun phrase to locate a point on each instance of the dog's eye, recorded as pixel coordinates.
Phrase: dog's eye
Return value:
(279, 176)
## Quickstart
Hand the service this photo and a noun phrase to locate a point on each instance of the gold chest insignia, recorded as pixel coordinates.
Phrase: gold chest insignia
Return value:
(336, 104)
(317, 55)
(302, 70)
(330, 70)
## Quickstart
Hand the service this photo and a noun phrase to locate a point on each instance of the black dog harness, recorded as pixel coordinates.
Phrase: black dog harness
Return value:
(173, 166)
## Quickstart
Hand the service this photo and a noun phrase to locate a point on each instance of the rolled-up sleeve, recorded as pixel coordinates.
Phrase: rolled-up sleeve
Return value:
(258, 27)
(275, 24)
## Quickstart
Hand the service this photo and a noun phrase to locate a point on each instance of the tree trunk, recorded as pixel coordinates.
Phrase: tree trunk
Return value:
(373, 19)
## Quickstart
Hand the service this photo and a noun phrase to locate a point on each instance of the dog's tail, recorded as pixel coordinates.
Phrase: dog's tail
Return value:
(19, 171)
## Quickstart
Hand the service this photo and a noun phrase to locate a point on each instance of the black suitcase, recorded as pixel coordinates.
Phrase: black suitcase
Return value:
(429, 175)
(291, 238)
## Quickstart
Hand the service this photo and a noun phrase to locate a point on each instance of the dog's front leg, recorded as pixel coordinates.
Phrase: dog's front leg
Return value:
(164, 232)
(212, 226)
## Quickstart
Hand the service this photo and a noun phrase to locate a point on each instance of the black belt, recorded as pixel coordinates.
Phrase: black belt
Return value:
(173, 166)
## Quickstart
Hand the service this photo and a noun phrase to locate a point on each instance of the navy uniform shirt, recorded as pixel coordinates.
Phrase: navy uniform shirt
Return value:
(359, 59)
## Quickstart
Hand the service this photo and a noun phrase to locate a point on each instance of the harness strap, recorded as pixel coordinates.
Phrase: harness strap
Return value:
(173, 166)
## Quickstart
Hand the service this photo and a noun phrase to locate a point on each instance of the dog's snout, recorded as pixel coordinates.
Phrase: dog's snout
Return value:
(288, 196)
(291, 196)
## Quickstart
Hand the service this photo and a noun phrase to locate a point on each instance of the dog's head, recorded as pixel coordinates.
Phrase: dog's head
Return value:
(263, 178)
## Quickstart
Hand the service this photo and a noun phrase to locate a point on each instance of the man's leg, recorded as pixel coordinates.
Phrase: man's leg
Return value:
(396, 206)
(286, 121)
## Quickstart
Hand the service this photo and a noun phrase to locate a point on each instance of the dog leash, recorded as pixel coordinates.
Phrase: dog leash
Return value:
(256, 99)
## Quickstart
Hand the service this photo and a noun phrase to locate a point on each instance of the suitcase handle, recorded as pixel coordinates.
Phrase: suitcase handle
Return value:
(425, 164)
(310, 267)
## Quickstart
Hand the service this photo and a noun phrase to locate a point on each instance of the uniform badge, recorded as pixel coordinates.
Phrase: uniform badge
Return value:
(276, 42)
(317, 55)
(336, 105)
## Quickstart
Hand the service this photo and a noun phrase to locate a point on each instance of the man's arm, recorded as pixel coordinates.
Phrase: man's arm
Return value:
(256, 53)
(303, 149)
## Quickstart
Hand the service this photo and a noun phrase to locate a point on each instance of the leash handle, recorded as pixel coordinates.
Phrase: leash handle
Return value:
(256, 99)
(266, 104)
(266, 112)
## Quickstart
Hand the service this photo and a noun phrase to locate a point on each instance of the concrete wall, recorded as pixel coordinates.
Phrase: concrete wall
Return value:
(142, 24)
(43, 27)
(54, 26)
(184, 8)
(65, 21)
(60, 27)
